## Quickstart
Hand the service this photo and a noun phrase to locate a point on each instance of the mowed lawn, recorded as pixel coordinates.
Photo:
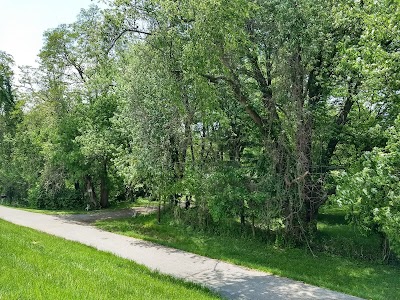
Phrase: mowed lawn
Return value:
(35, 265)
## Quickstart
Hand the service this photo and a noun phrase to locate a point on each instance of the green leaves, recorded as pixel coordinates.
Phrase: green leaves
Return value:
(7, 101)
(372, 189)
(160, 92)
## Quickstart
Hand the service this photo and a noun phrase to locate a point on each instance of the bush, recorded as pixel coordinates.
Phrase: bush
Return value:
(372, 191)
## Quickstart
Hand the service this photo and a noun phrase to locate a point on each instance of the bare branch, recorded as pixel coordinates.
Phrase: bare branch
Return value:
(124, 31)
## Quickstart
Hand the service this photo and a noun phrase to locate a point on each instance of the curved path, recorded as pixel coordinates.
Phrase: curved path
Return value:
(229, 280)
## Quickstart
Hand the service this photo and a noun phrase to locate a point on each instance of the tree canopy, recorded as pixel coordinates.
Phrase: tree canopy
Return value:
(260, 111)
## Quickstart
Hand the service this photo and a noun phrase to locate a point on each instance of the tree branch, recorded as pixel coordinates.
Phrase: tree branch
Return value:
(239, 95)
(266, 90)
(132, 30)
(340, 121)
(77, 67)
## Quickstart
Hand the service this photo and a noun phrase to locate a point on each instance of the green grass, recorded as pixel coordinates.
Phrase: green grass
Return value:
(35, 265)
(364, 279)
(337, 236)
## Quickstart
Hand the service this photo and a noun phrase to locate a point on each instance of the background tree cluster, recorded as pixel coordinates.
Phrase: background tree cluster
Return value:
(250, 110)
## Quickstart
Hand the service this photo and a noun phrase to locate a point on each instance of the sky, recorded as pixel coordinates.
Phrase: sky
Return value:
(23, 22)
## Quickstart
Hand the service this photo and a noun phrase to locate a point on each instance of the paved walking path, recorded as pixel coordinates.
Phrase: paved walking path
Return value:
(229, 280)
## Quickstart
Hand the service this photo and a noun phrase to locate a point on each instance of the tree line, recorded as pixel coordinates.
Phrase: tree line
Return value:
(260, 111)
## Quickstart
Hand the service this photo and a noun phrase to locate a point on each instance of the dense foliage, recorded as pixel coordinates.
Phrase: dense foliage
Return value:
(244, 109)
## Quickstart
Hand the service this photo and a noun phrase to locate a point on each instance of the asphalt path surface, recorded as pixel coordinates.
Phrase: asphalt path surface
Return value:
(231, 281)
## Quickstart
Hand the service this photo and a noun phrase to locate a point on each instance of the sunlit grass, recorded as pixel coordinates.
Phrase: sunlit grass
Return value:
(34, 265)
(363, 279)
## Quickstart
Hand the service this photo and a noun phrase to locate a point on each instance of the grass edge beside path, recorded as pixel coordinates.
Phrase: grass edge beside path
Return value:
(36, 265)
(365, 280)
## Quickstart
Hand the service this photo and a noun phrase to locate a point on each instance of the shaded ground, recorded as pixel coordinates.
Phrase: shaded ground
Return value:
(111, 214)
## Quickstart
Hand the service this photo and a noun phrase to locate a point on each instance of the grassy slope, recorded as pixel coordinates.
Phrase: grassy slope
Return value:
(367, 280)
(34, 265)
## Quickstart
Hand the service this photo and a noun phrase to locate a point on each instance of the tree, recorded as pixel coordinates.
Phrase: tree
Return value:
(290, 66)
(10, 116)
(75, 55)
(7, 99)
(259, 100)
(371, 190)
(369, 184)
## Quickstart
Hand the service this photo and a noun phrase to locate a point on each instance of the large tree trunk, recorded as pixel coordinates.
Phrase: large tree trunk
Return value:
(91, 192)
(303, 224)
(104, 192)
